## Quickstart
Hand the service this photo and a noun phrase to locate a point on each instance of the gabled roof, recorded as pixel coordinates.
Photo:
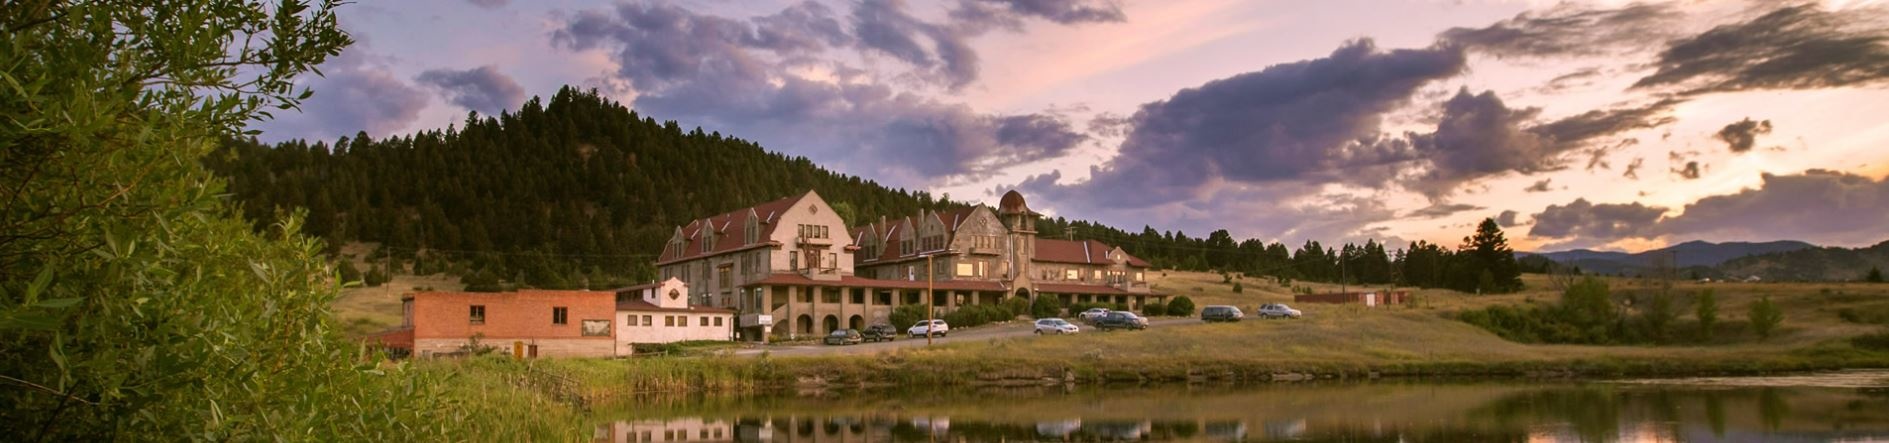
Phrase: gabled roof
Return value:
(643, 306)
(728, 227)
(1086, 252)
(892, 231)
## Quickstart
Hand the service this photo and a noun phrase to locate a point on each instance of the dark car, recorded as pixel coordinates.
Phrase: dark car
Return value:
(1121, 320)
(1220, 313)
(843, 337)
(880, 332)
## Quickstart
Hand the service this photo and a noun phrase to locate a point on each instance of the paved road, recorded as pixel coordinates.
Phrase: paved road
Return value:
(1007, 330)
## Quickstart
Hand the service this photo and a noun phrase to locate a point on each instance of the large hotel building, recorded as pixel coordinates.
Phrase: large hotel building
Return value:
(791, 267)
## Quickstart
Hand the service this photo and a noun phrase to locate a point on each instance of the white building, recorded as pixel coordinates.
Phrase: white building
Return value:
(661, 313)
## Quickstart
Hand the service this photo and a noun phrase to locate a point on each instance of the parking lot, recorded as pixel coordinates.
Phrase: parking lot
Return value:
(1005, 330)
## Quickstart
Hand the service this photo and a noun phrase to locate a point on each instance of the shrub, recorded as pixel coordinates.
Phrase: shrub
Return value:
(1765, 317)
(1875, 342)
(1154, 309)
(1658, 315)
(1707, 312)
(375, 277)
(1046, 307)
(349, 273)
(1181, 306)
(907, 315)
(1237, 288)
(975, 315)
(1016, 306)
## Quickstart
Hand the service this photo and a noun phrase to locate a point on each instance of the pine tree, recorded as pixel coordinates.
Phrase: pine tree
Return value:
(1874, 276)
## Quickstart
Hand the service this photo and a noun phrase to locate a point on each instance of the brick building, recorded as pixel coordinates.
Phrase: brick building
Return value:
(538, 323)
(788, 266)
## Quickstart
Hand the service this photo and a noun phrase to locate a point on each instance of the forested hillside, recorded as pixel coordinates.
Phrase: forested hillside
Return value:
(576, 191)
(1811, 264)
(582, 192)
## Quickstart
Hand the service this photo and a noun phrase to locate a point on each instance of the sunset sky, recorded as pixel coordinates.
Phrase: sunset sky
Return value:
(1606, 125)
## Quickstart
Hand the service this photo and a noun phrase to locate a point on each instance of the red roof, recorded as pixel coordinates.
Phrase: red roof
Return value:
(643, 306)
(1069, 288)
(862, 282)
(891, 231)
(1086, 252)
(728, 227)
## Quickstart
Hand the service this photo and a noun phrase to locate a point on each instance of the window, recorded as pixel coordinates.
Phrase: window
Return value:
(477, 314)
(793, 262)
(753, 231)
(629, 320)
(966, 269)
(833, 259)
(813, 231)
(717, 321)
(595, 328)
(724, 276)
(560, 315)
(704, 321)
(647, 321)
(669, 320)
(1069, 274)
(708, 238)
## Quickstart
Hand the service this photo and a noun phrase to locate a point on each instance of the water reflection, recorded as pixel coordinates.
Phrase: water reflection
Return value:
(1357, 412)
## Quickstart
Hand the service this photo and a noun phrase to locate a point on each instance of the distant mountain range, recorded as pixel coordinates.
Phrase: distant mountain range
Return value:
(1776, 260)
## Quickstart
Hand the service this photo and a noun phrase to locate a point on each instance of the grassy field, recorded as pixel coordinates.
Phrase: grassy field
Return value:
(1420, 339)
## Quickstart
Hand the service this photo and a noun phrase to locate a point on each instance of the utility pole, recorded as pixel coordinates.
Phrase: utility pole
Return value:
(930, 319)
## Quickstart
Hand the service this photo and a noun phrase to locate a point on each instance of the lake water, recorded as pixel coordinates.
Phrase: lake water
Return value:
(1844, 406)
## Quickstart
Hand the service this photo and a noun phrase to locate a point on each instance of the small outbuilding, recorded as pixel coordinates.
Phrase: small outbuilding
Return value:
(660, 313)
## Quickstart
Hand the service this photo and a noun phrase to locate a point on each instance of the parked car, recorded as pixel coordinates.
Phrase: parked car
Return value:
(1277, 310)
(933, 327)
(1092, 314)
(880, 332)
(843, 337)
(1214, 313)
(1121, 320)
(1056, 326)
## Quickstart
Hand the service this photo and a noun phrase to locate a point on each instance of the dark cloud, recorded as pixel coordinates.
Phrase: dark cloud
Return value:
(1294, 121)
(1036, 136)
(1588, 223)
(1818, 206)
(1578, 78)
(356, 93)
(1568, 30)
(738, 76)
(1109, 124)
(1741, 135)
(1059, 11)
(1480, 136)
(1591, 125)
(489, 4)
(1689, 172)
(1539, 186)
(482, 89)
(938, 50)
(1438, 210)
(1794, 47)
(1507, 219)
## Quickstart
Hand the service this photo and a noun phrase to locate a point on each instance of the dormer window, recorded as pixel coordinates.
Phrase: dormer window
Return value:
(708, 240)
(753, 231)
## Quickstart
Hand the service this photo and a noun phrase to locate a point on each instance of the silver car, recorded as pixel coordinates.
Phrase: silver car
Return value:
(1056, 326)
(1277, 310)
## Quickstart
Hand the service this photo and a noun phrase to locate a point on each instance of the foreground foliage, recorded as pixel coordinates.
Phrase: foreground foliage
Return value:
(134, 302)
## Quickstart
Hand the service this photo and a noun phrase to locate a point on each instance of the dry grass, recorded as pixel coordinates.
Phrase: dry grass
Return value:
(364, 310)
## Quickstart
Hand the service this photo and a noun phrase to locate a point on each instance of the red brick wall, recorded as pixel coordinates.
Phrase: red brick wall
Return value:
(521, 315)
